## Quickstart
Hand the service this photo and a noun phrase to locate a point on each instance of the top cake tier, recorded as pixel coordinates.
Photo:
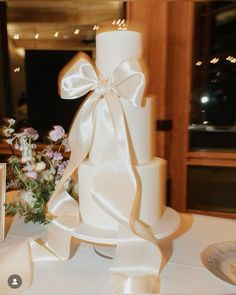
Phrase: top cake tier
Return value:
(115, 47)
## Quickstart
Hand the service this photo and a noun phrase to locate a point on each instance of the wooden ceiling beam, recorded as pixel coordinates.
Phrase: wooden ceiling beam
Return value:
(76, 18)
(42, 44)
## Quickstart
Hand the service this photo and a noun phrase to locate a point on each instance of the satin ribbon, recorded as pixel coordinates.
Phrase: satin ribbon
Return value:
(138, 259)
(114, 185)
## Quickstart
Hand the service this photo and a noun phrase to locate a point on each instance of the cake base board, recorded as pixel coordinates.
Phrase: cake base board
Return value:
(167, 225)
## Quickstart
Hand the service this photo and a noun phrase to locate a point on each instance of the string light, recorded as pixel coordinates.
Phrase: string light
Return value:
(76, 31)
(231, 59)
(36, 36)
(17, 69)
(96, 27)
(56, 34)
(114, 22)
(214, 60)
(118, 22)
(16, 36)
(199, 63)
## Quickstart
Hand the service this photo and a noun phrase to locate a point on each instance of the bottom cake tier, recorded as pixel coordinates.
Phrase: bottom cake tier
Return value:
(152, 186)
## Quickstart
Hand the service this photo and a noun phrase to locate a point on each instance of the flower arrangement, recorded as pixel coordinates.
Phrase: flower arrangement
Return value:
(34, 173)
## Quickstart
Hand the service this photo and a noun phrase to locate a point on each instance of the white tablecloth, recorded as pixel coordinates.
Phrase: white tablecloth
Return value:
(87, 272)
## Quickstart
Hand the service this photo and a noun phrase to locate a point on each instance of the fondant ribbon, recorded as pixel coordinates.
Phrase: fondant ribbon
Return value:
(115, 184)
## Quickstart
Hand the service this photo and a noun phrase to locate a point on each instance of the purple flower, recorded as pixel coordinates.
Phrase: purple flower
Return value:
(48, 152)
(32, 174)
(57, 133)
(57, 156)
(66, 144)
(61, 167)
(31, 132)
(28, 167)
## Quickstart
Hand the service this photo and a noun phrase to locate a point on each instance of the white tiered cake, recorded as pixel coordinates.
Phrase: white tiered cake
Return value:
(113, 48)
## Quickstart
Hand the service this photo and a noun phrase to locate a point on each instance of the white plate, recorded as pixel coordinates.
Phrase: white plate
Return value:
(167, 225)
(220, 259)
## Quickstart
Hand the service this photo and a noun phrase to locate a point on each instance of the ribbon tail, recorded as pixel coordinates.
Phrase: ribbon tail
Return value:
(80, 138)
(115, 190)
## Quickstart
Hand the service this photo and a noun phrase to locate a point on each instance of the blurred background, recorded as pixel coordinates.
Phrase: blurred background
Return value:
(190, 51)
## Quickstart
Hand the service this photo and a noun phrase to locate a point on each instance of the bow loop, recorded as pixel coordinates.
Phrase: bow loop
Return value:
(129, 81)
(78, 80)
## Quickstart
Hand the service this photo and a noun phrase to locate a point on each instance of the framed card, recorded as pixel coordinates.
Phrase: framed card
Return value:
(2, 199)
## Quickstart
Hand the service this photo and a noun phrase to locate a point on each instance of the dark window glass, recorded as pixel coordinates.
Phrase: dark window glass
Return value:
(211, 188)
(213, 100)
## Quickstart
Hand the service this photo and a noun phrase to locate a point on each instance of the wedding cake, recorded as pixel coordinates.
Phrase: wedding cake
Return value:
(113, 48)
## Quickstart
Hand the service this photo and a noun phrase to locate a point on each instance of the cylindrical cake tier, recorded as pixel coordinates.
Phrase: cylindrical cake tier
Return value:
(151, 184)
(115, 47)
(140, 131)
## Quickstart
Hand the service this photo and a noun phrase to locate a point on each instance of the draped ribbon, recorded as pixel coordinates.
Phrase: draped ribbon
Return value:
(138, 259)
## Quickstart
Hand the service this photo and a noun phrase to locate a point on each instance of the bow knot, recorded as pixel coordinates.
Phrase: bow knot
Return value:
(104, 85)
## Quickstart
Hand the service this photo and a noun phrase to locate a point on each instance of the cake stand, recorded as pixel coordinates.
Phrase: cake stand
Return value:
(167, 225)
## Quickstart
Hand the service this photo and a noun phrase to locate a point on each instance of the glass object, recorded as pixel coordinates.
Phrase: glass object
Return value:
(211, 188)
(213, 100)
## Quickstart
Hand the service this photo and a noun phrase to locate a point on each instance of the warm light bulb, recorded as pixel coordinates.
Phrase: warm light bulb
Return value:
(95, 27)
(17, 69)
(76, 31)
(114, 22)
(199, 63)
(233, 60)
(36, 36)
(16, 36)
(56, 34)
(214, 60)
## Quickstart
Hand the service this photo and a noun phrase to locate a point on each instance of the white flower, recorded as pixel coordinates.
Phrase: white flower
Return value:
(40, 166)
(8, 131)
(26, 159)
(47, 175)
(28, 198)
(11, 121)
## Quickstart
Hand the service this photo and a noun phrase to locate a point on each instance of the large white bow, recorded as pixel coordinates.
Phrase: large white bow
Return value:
(114, 185)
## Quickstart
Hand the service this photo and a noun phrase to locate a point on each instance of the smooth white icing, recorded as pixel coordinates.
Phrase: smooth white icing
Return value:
(140, 122)
(113, 48)
(151, 185)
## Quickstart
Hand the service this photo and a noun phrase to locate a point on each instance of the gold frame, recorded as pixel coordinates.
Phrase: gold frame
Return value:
(2, 199)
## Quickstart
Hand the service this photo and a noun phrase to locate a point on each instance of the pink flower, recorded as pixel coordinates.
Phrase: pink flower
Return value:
(57, 133)
(31, 132)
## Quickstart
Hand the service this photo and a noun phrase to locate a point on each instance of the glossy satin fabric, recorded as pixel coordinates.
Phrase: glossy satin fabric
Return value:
(138, 258)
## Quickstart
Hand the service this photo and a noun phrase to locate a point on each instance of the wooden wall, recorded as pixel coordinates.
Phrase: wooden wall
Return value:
(168, 53)
(5, 98)
(152, 18)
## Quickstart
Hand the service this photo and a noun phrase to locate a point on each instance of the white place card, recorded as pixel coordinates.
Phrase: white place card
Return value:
(2, 199)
